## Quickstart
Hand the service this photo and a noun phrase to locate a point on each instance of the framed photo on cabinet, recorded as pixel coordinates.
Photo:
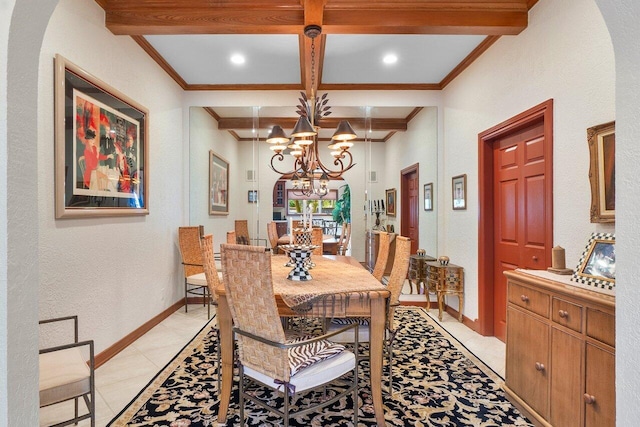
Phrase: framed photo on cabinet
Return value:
(459, 192)
(597, 265)
(101, 147)
(602, 169)
(218, 185)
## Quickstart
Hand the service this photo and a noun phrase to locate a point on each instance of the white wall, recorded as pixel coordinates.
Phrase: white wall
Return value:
(564, 54)
(114, 273)
(419, 144)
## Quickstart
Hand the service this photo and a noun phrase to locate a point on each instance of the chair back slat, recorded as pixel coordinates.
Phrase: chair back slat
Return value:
(316, 239)
(249, 291)
(398, 276)
(231, 237)
(383, 255)
(242, 231)
(189, 240)
(209, 264)
(272, 233)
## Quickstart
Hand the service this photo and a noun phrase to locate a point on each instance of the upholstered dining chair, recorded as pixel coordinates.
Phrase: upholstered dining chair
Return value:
(65, 374)
(231, 237)
(384, 243)
(195, 282)
(272, 233)
(269, 357)
(345, 237)
(242, 233)
(394, 286)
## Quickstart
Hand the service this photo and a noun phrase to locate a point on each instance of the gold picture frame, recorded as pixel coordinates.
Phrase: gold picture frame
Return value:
(101, 147)
(602, 168)
(218, 184)
(390, 195)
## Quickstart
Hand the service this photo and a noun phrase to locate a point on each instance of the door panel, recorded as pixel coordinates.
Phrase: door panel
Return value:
(519, 190)
(410, 202)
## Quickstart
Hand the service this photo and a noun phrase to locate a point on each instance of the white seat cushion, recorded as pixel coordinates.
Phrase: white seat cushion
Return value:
(349, 335)
(197, 279)
(313, 376)
(63, 375)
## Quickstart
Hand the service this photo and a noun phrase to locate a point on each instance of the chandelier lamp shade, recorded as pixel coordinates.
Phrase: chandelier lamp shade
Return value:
(309, 174)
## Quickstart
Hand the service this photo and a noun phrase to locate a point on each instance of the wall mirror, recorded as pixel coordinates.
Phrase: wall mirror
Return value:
(237, 135)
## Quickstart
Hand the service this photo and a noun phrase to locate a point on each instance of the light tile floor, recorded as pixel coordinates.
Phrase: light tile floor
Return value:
(120, 379)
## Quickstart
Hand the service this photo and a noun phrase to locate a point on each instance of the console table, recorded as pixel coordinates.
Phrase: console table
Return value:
(418, 273)
(446, 280)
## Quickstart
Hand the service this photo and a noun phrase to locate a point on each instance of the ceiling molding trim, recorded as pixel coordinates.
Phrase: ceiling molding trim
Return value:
(256, 86)
(379, 86)
(388, 137)
(212, 113)
(413, 113)
(153, 53)
(360, 123)
(466, 62)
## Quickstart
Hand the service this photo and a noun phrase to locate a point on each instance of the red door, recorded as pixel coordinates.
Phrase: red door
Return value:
(410, 199)
(519, 211)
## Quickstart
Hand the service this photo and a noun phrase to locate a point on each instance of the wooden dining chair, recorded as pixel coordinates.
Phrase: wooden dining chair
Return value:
(213, 282)
(384, 243)
(272, 233)
(242, 233)
(195, 282)
(345, 237)
(394, 286)
(316, 239)
(270, 357)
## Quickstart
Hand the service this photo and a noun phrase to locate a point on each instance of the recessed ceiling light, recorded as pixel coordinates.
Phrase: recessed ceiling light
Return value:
(390, 59)
(237, 59)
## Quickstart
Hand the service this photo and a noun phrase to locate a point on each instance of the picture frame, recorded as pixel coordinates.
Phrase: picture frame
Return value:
(602, 148)
(428, 196)
(597, 265)
(101, 148)
(252, 196)
(391, 200)
(459, 192)
(218, 184)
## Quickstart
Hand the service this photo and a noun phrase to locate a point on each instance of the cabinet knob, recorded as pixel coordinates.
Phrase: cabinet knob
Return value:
(539, 366)
(524, 298)
(589, 399)
(563, 314)
(534, 258)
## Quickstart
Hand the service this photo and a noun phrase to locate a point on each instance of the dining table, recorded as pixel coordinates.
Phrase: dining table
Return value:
(341, 287)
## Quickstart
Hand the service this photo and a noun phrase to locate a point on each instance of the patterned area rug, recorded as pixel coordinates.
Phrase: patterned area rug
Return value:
(437, 382)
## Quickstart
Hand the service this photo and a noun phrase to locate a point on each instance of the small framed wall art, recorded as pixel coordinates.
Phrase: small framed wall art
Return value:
(428, 196)
(391, 201)
(252, 196)
(218, 185)
(459, 192)
(602, 172)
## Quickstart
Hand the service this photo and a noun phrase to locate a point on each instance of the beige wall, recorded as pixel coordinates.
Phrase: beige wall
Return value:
(564, 54)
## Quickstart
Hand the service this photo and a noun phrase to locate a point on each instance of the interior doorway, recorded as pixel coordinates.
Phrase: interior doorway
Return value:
(516, 207)
(409, 205)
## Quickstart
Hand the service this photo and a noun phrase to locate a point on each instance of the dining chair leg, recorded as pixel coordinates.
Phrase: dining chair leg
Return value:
(186, 302)
(241, 393)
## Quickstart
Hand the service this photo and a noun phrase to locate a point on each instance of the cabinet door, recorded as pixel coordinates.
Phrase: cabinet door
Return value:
(566, 370)
(600, 391)
(527, 359)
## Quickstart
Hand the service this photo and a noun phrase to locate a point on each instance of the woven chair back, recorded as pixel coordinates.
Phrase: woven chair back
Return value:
(209, 263)
(249, 291)
(384, 242)
(242, 231)
(189, 241)
(345, 236)
(272, 233)
(231, 237)
(316, 239)
(398, 276)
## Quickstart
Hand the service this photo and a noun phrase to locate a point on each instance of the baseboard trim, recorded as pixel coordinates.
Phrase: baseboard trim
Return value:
(102, 357)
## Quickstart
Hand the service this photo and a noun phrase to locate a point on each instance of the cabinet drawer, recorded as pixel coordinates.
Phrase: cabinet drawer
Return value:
(567, 314)
(601, 326)
(530, 299)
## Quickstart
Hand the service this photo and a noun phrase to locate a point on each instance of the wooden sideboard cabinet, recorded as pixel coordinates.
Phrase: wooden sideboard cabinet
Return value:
(560, 363)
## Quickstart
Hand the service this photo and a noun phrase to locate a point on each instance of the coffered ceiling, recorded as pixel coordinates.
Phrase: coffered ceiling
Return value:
(432, 42)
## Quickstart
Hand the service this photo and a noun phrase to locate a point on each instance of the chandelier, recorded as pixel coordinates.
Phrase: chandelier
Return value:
(309, 174)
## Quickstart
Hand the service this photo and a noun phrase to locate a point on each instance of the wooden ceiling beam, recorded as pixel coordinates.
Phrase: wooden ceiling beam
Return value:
(358, 123)
(147, 17)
